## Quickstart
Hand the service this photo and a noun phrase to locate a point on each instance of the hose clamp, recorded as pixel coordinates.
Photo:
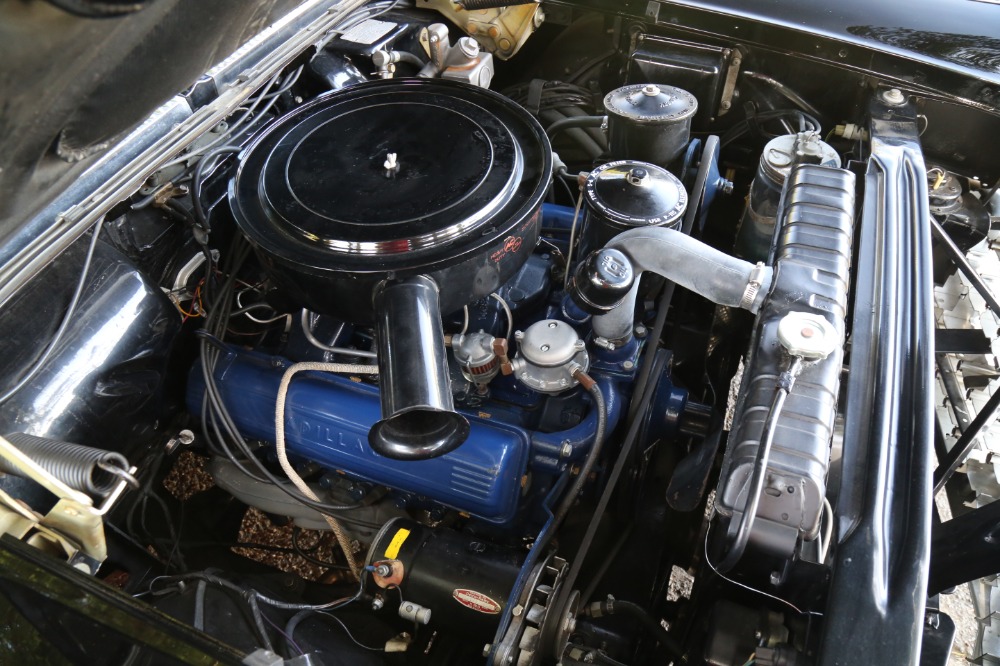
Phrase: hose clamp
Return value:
(753, 286)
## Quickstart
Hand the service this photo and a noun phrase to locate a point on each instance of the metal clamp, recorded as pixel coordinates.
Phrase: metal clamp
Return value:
(753, 286)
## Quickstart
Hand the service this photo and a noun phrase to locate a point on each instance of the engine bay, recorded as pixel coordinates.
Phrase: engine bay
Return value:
(557, 334)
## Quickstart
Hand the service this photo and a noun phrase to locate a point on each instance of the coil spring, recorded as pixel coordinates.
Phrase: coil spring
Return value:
(89, 470)
(473, 5)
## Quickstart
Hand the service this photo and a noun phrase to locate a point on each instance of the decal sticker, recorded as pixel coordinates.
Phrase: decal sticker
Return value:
(476, 601)
(392, 552)
(368, 32)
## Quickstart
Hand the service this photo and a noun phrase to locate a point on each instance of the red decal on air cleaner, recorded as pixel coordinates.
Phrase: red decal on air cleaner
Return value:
(512, 244)
(477, 601)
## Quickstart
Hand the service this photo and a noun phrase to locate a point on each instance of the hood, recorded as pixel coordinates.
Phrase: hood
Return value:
(71, 83)
(78, 74)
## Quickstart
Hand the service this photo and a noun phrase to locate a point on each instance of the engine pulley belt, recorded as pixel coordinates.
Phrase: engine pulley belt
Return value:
(550, 632)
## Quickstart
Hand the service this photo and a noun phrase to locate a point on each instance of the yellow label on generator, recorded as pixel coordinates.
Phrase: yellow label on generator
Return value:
(392, 552)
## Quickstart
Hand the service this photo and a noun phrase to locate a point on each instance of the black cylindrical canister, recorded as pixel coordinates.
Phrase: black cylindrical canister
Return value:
(464, 581)
(626, 195)
(648, 122)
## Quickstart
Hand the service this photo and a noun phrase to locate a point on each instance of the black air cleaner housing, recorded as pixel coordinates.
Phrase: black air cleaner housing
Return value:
(389, 203)
(332, 215)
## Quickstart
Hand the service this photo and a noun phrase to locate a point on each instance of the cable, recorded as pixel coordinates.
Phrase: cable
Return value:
(827, 530)
(507, 312)
(289, 641)
(296, 533)
(66, 320)
(302, 615)
(785, 383)
(595, 450)
(572, 239)
(644, 395)
(197, 180)
(213, 579)
(742, 127)
(220, 421)
(279, 443)
(307, 330)
(721, 575)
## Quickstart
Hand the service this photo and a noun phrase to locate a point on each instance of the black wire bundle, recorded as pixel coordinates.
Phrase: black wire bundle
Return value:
(554, 95)
(219, 426)
(253, 598)
(755, 121)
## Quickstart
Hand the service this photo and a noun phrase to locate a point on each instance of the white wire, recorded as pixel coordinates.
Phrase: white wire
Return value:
(507, 312)
(708, 561)
(279, 444)
(465, 319)
(827, 530)
(572, 239)
(249, 316)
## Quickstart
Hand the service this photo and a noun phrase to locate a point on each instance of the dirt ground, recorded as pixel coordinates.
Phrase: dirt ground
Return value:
(958, 605)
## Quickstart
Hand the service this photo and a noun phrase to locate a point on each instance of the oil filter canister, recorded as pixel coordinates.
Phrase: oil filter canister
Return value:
(650, 123)
(628, 194)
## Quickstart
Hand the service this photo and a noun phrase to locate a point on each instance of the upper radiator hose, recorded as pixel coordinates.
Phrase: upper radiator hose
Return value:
(604, 283)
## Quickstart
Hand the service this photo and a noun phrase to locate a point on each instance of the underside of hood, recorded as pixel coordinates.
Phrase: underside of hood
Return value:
(71, 83)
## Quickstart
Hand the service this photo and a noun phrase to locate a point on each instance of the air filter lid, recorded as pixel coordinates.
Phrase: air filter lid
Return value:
(635, 194)
(653, 104)
(386, 176)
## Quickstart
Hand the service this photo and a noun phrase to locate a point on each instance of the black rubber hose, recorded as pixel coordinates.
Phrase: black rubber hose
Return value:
(749, 514)
(410, 59)
(595, 133)
(578, 134)
(573, 122)
(612, 606)
(595, 451)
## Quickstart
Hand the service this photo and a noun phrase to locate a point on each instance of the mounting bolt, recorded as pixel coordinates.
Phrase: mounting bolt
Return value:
(377, 603)
(486, 649)
(566, 451)
(894, 97)
(628, 365)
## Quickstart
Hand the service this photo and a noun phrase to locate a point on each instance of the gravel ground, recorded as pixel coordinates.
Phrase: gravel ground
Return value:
(958, 605)
(188, 477)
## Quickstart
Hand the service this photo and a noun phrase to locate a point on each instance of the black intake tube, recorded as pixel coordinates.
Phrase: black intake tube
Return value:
(419, 420)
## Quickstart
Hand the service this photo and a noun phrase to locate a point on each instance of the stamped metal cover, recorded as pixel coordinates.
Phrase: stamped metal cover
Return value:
(647, 103)
(635, 194)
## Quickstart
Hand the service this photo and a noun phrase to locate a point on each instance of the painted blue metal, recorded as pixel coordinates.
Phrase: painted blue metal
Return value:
(327, 421)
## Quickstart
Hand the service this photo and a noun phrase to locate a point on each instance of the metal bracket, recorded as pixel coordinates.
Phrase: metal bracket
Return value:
(501, 30)
(729, 87)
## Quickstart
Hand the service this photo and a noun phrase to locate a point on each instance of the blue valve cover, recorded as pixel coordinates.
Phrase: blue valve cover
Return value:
(327, 421)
